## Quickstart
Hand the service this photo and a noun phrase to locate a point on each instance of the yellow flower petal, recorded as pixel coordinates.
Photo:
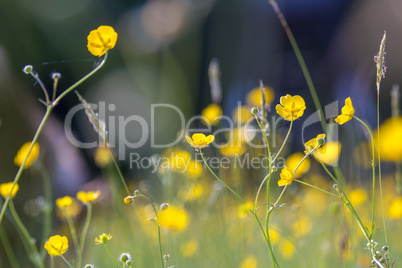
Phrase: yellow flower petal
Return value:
(211, 114)
(291, 107)
(101, 40)
(287, 177)
(22, 153)
(5, 189)
(56, 245)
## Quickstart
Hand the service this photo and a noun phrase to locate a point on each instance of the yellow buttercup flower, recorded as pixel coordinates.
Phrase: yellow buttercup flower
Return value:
(390, 144)
(64, 202)
(395, 209)
(357, 196)
(103, 156)
(287, 177)
(56, 245)
(72, 211)
(199, 140)
(103, 238)
(212, 114)
(287, 249)
(128, 200)
(329, 153)
(22, 153)
(101, 40)
(241, 114)
(194, 169)
(87, 197)
(5, 189)
(302, 226)
(173, 218)
(291, 106)
(190, 248)
(347, 112)
(249, 262)
(293, 160)
(235, 148)
(311, 144)
(254, 99)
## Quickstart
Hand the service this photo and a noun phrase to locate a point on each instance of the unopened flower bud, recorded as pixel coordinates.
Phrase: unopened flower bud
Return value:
(27, 69)
(56, 76)
(124, 257)
(320, 141)
(164, 206)
(89, 266)
(254, 110)
(136, 193)
(385, 248)
(129, 200)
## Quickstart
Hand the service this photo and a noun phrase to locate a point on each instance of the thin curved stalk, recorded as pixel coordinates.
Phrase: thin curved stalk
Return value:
(84, 232)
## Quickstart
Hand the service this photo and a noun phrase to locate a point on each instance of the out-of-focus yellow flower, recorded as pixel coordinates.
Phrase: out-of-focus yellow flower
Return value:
(212, 114)
(235, 148)
(294, 159)
(249, 262)
(103, 238)
(101, 40)
(103, 156)
(254, 99)
(395, 209)
(311, 144)
(329, 153)
(56, 245)
(194, 169)
(287, 177)
(22, 153)
(302, 226)
(287, 249)
(190, 248)
(87, 197)
(199, 140)
(241, 114)
(347, 112)
(291, 106)
(273, 236)
(357, 196)
(390, 144)
(5, 189)
(72, 210)
(243, 210)
(64, 202)
(192, 192)
(173, 218)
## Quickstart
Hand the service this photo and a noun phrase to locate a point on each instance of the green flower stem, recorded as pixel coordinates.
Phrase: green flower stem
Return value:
(48, 209)
(64, 259)
(284, 142)
(34, 251)
(221, 181)
(21, 168)
(373, 166)
(79, 82)
(379, 164)
(119, 172)
(84, 232)
(349, 205)
(301, 61)
(111, 256)
(266, 235)
(317, 188)
(268, 179)
(49, 109)
(157, 224)
(51, 262)
(73, 234)
(7, 248)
